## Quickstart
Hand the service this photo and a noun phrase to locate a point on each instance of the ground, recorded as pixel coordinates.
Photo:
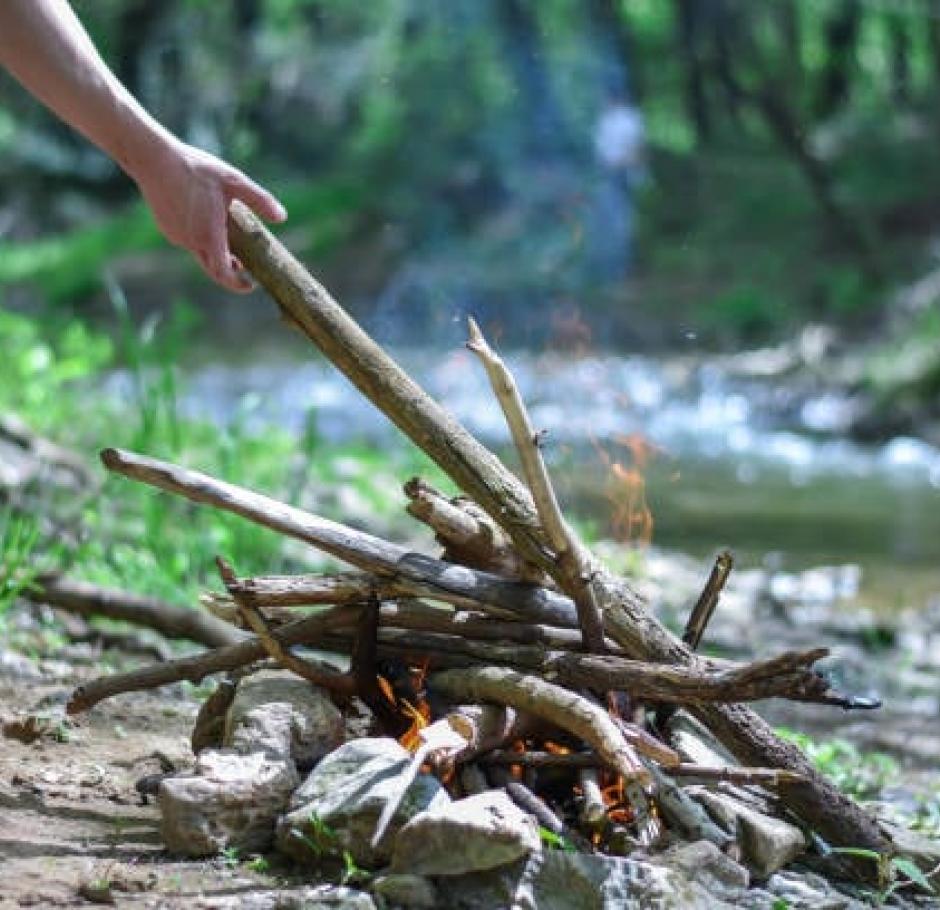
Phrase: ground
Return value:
(71, 817)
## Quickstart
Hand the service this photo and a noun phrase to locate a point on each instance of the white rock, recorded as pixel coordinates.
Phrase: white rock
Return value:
(231, 800)
(319, 897)
(767, 844)
(702, 862)
(478, 832)
(406, 890)
(556, 880)
(337, 806)
(277, 713)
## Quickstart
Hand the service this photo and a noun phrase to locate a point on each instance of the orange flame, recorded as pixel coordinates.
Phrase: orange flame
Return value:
(420, 718)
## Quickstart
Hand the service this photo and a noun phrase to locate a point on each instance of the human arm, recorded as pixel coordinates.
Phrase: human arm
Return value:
(45, 47)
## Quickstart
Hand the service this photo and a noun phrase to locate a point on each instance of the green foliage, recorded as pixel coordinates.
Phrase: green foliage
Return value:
(321, 839)
(555, 841)
(42, 366)
(898, 871)
(860, 774)
(19, 535)
(229, 857)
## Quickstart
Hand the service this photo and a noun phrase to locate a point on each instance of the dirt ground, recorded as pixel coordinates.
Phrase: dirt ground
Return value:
(71, 818)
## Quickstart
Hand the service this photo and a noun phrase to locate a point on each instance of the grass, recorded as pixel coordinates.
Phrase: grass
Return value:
(860, 774)
(132, 536)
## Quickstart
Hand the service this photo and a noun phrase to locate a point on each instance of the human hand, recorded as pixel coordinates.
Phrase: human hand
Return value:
(189, 192)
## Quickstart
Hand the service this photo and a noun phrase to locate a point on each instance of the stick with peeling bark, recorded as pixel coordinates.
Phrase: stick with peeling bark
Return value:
(572, 560)
(84, 599)
(196, 668)
(559, 706)
(429, 577)
(469, 536)
(342, 683)
(479, 473)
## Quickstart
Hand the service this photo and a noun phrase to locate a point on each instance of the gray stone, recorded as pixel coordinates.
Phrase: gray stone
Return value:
(805, 890)
(767, 844)
(406, 890)
(278, 713)
(695, 743)
(924, 851)
(231, 800)
(337, 806)
(479, 832)
(18, 666)
(704, 863)
(556, 880)
(319, 897)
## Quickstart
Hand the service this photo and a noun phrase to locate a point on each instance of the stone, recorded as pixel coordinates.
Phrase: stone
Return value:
(558, 880)
(337, 807)
(406, 890)
(767, 844)
(702, 862)
(805, 890)
(319, 897)
(923, 851)
(695, 743)
(18, 666)
(231, 800)
(283, 716)
(479, 832)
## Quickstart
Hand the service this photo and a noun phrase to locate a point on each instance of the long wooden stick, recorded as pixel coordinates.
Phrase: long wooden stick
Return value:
(196, 668)
(85, 599)
(355, 547)
(572, 563)
(307, 304)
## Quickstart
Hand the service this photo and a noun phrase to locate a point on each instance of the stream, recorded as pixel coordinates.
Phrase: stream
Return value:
(758, 466)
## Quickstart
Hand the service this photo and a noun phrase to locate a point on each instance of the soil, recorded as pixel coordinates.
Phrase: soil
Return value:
(71, 819)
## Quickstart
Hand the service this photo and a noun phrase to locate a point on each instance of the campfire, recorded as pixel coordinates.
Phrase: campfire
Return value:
(511, 661)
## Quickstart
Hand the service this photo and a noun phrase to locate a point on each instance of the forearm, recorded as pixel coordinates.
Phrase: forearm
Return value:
(45, 47)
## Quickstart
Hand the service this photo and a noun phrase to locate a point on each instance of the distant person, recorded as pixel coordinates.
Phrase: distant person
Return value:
(45, 47)
(620, 152)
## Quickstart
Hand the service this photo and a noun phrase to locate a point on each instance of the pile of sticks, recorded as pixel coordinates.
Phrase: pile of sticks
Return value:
(516, 612)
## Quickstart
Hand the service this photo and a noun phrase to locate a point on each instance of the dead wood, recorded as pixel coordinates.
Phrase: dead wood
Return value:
(435, 578)
(305, 303)
(532, 803)
(479, 473)
(341, 683)
(788, 675)
(765, 777)
(573, 570)
(565, 709)
(593, 808)
(85, 599)
(705, 605)
(196, 668)
(468, 535)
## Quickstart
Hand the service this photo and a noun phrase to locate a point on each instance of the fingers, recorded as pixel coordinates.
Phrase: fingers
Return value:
(258, 199)
(219, 263)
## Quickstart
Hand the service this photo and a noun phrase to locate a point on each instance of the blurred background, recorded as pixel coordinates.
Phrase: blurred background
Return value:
(704, 232)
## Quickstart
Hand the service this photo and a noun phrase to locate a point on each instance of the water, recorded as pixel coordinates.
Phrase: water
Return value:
(760, 466)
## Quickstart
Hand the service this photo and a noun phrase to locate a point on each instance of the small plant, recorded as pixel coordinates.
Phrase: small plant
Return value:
(320, 838)
(259, 865)
(352, 873)
(860, 774)
(898, 871)
(229, 857)
(19, 536)
(555, 841)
